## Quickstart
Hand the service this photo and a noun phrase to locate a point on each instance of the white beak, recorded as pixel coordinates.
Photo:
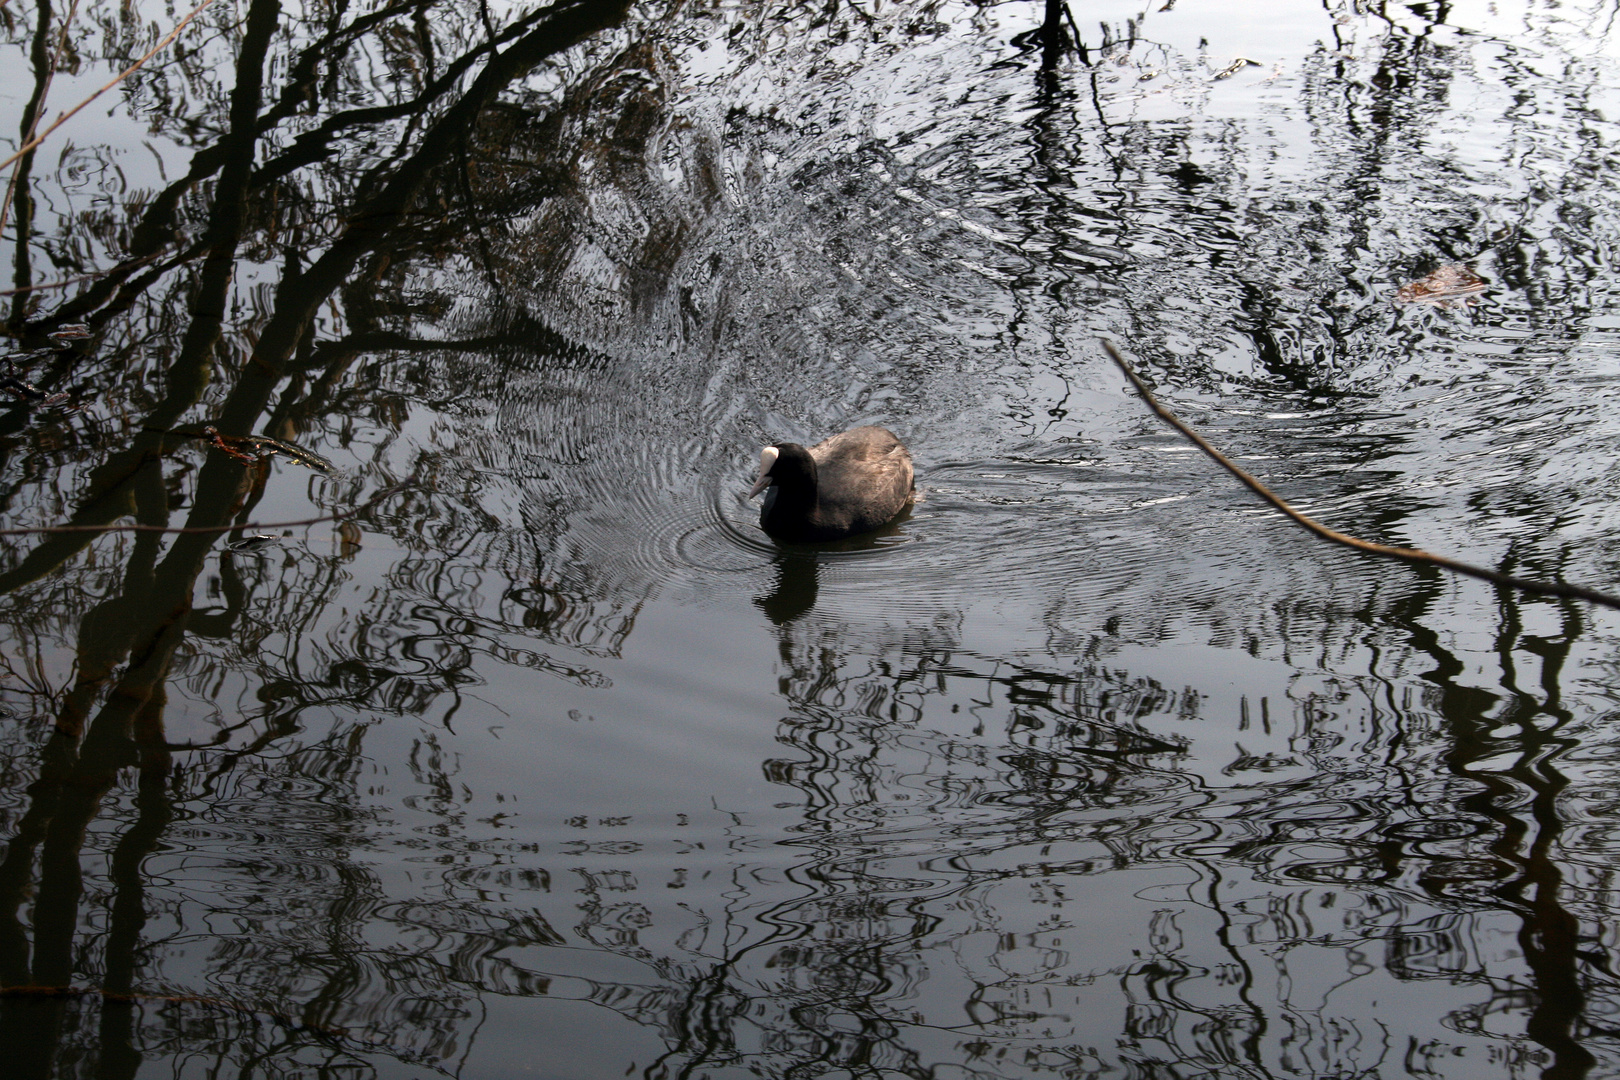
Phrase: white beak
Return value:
(767, 458)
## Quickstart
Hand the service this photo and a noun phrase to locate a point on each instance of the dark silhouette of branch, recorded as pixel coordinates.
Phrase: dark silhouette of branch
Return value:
(155, 229)
(1057, 38)
(36, 107)
(1409, 555)
(204, 529)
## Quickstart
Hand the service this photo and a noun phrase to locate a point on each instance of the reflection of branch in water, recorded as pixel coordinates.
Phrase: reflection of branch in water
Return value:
(147, 621)
(79, 279)
(129, 997)
(45, 67)
(214, 530)
(1549, 933)
(190, 373)
(1411, 555)
(126, 73)
(1550, 937)
(1232, 1035)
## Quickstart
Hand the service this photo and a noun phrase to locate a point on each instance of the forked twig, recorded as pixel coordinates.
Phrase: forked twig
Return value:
(1410, 555)
(353, 512)
(126, 73)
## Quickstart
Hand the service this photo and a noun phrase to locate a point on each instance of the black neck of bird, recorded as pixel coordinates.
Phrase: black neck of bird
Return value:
(794, 471)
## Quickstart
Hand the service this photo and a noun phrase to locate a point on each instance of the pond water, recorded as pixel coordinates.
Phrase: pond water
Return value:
(550, 763)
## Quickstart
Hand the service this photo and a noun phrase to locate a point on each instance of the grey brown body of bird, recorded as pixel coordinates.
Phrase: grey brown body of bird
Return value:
(852, 483)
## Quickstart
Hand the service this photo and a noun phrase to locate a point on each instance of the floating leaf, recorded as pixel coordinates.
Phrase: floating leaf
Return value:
(70, 332)
(1446, 283)
(1234, 67)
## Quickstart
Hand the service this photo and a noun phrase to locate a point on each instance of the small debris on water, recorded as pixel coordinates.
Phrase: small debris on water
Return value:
(1234, 67)
(17, 388)
(348, 539)
(1445, 284)
(231, 444)
(309, 459)
(70, 332)
(26, 391)
(251, 449)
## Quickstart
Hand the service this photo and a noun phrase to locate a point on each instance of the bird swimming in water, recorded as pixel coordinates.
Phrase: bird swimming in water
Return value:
(849, 484)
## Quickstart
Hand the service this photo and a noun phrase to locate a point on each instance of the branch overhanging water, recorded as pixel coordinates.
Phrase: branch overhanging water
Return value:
(1409, 555)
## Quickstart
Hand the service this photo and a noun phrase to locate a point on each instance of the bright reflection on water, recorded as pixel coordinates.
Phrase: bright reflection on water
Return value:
(557, 767)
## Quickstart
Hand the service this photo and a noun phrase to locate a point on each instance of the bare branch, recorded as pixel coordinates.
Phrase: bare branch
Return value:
(39, 107)
(1410, 555)
(255, 525)
(126, 73)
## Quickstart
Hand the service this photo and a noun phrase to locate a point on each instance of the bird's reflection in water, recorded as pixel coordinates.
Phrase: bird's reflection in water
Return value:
(796, 586)
(798, 570)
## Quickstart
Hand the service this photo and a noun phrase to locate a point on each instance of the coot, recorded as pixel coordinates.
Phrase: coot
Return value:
(850, 484)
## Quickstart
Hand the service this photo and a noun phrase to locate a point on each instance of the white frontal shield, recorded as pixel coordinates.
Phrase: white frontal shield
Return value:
(767, 458)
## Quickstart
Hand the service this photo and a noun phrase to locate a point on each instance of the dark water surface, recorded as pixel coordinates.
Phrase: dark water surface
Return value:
(553, 765)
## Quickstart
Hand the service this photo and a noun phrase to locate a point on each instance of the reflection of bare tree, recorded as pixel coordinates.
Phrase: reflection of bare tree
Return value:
(1565, 963)
(832, 981)
(958, 814)
(112, 717)
(1307, 846)
(17, 204)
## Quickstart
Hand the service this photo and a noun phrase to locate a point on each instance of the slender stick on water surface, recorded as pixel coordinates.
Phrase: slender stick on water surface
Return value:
(1409, 555)
(126, 73)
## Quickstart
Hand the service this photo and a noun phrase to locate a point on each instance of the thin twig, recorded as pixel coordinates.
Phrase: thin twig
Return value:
(126, 73)
(206, 529)
(1410, 555)
(64, 283)
(51, 67)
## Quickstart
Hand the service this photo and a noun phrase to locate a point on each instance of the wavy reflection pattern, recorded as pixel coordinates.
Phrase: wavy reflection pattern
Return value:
(1085, 769)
